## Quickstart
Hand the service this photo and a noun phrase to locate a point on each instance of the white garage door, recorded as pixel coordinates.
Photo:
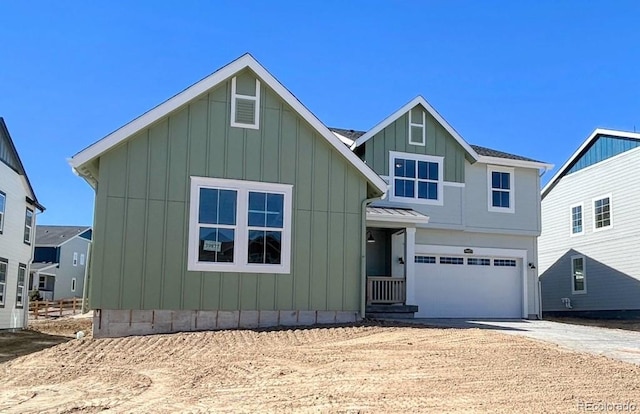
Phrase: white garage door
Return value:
(468, 287)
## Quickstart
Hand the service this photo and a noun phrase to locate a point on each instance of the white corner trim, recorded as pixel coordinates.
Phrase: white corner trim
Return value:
(203, 86)
(593, 211)
(418, 100)
(582, 216)
(594, 135)
(512, 189)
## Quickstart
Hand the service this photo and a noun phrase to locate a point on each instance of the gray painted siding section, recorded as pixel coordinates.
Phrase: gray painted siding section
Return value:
(525, 219)
(141, 219)
(12, 246)
(612, 270)
(67, 271)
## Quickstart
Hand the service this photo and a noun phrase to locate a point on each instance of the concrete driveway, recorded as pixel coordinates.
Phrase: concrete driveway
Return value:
(613, 343)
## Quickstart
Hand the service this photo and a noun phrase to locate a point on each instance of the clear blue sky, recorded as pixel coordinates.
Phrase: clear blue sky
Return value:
(529, 77)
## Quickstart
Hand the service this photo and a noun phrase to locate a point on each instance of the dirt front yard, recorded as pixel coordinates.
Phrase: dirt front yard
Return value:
(357, 369)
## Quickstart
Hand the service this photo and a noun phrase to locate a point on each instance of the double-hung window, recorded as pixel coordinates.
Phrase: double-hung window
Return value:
(416, 178)
(601, 213)
(576, 220)
(578, 275)
(501, 191)
(4, 264)
(20, 291)
(3, 203)
(28, 225)
(239, 226)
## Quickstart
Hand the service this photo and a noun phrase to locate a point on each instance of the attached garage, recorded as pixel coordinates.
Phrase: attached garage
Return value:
(462, 286)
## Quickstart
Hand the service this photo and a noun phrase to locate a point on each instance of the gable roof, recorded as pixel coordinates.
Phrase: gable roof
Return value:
(591, 139)
(418, 100)
(16, 165)
(54, 236)
(245, 61)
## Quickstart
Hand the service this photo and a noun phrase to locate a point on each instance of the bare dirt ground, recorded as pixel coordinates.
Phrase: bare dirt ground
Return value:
(626, 324)
(353, 369)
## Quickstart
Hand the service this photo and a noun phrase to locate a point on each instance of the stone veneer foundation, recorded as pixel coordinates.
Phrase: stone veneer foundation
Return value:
(109, 323)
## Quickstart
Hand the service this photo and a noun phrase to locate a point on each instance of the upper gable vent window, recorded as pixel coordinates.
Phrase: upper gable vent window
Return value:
(245, 102)
(417, 126)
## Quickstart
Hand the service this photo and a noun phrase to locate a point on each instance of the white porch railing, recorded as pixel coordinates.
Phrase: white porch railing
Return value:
(385, 289)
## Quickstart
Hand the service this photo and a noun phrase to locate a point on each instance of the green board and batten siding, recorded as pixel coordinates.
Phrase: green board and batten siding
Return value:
(141, 229)
(395, 137)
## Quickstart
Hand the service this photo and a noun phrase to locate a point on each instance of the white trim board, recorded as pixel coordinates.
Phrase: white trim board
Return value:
(199, 88)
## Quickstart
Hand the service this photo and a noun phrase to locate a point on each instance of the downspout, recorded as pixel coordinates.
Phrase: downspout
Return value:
(363, 254)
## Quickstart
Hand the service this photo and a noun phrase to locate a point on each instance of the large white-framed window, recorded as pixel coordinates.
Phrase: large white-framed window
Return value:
(578, 275)
(28, 225)
(75, 258)
(20, 291)
(239, 226)
(576, 219)
(416, 178)
(4, 265)
(245, 105)
(602, 213)
(3, 206)
(501, 189)
(417, 127)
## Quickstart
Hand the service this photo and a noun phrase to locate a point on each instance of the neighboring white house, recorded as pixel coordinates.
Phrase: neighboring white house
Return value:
(18, 206)
(590, 230)
(60, 261)
(460, 222)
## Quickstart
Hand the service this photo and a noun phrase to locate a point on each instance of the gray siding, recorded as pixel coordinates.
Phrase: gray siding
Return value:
(141, 218)
(12, 246)
(612, 271)
(67, 271)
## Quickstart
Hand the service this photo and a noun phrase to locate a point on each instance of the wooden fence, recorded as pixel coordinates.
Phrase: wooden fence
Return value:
(55, 308)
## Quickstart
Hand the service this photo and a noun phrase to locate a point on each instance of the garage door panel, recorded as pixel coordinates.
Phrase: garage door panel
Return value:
(466, 291)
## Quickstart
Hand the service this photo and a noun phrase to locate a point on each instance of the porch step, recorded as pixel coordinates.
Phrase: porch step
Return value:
(391, 311)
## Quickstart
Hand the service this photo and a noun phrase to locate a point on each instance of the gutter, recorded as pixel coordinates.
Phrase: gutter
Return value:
(363, 253)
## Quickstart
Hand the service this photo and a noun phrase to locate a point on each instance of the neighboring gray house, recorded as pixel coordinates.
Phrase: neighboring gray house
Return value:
(60, 262)
(590, 230)
(232, 205)
(18, 206)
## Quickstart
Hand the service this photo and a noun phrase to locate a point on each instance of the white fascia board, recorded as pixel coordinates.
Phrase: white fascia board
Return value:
(596, 133)
(514, 163)
(397, 219)
(201, 87)
(345, 140)
(397, 114)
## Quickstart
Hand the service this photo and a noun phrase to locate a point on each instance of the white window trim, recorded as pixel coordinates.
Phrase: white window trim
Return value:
(240, 263)
(3, 285)
(593, 208)
(571, 207)
(255, 98)
(2, 212)
(512, 190)
(75, 258)
(81, 259)
(73, 284)
(423, 126)
(20, 298)
(418, 157)
(584, 275)
(29, 226)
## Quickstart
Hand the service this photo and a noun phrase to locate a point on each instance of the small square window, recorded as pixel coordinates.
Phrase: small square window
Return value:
(500, 180)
